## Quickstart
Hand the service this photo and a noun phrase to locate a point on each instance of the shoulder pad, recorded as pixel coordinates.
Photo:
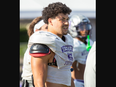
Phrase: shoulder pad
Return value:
(39, 50)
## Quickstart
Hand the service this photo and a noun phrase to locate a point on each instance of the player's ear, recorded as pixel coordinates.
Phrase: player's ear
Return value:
(50, 21)
(36, 30)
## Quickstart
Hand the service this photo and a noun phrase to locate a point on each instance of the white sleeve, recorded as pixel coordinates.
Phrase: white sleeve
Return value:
(27, 57)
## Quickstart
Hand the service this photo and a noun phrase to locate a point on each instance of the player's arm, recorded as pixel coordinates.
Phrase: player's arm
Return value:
(39, 70)
(40, 57)
(73, 73)
(77, 74)
(80, 71)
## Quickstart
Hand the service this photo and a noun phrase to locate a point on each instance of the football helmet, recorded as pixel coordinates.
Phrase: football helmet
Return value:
(78, 23)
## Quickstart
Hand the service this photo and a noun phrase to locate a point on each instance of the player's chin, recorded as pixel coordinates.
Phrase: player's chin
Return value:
(65, 33)
(84, 35)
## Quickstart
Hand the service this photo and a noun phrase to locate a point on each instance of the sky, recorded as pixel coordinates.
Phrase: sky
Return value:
(80, 5)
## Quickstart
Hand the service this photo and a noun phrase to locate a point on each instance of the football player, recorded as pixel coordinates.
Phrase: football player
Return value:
(36, 25)
(52, 51)
(79, 28)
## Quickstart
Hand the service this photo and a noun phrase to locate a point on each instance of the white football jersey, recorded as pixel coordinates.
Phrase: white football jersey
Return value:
(64, 57)
(27, 72)
(79, 51)
(63, 50)
(63, 54)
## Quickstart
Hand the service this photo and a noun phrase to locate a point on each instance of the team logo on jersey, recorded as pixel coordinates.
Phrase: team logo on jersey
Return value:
(67, 48)
(70, 57)
(68, 63)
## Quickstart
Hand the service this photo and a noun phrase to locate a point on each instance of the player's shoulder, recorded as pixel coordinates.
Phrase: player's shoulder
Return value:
(68, 36)
(41, 36)
(38, 33)
(76, 42)
(68, 39)
(39, 50)
(91, 42)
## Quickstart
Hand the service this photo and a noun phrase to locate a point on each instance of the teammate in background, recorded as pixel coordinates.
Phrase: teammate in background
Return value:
(36, 25)
(52, 51)
(90, 69)
(79, 28)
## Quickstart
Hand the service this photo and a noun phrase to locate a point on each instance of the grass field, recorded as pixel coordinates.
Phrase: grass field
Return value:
(23, 47)
(23, 39)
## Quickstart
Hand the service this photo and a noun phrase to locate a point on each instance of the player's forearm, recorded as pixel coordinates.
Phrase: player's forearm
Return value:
(39, 80)
(73, 73)
(39, 84)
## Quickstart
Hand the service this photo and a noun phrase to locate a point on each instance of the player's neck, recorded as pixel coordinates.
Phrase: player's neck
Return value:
(84, 41)
(54, 32)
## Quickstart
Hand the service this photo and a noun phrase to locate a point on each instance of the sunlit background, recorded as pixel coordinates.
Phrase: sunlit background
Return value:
(30, 9)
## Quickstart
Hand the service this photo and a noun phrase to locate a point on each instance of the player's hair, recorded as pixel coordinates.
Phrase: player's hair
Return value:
(53, 10)
(32, 24)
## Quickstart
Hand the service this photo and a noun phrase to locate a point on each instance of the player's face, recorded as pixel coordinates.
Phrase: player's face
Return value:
(84, 33)
(84, 29)
(61, 24)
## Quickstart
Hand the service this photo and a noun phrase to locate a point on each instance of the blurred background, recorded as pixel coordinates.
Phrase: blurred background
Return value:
(30, 9)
